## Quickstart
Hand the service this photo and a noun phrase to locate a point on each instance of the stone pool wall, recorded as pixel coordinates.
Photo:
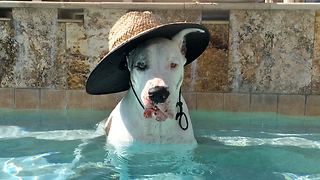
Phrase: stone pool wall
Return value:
(265, 58)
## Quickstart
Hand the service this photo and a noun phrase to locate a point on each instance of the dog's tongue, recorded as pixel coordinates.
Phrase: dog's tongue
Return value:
(156, 114)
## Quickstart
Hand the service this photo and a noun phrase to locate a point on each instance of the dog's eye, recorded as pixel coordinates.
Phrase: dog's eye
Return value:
(141, 66)
(173, 65)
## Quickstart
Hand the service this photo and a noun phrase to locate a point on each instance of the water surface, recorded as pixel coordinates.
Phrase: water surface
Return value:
(63, 144)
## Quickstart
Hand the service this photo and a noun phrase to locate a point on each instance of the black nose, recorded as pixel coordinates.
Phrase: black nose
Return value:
(158, 94)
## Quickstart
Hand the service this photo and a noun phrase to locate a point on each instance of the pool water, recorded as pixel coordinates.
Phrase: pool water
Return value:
(63, 144)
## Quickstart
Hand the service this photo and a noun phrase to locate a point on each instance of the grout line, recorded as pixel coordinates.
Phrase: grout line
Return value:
(305, 104)
(196, 100)
(91, 104)
(67, 99)
(278, 98)
(39, 91)
(250, 100)
(14, 98)
(314, 50)
(223, 101)
(196, 94)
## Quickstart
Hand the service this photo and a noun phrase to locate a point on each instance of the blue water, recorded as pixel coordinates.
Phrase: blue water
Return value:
(63, 144)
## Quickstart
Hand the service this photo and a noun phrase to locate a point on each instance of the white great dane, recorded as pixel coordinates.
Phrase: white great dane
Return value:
(148, 111)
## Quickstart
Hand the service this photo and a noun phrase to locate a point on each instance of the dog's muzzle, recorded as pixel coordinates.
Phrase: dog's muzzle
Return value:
(156, 102)
(158, 94)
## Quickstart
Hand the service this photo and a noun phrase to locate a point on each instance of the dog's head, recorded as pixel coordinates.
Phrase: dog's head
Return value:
(156, 69)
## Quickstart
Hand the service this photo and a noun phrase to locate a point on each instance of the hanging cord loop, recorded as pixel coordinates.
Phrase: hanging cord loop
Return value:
(181, 114)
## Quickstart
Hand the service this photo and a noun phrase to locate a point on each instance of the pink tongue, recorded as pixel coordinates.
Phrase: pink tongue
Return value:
(147, 113)
(156, 114)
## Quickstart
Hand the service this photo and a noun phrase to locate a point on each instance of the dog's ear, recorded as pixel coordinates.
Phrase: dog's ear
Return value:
(180, 38)
(127, 61)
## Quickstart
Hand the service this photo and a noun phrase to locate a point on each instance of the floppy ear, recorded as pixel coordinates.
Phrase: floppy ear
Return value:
(180, 38)
(128, 63)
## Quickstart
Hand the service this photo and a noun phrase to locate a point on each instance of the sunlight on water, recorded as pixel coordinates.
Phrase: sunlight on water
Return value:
(34, 167)
(13, 132)
(249, 141)
(291, 176)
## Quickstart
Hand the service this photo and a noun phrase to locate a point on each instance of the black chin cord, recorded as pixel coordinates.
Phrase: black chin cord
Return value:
(134, 92)
(130, 83)
(181, 114)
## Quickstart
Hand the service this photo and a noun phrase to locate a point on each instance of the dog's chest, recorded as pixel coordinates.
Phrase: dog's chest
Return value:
(128, 124)
(156, 132)
(149, 131)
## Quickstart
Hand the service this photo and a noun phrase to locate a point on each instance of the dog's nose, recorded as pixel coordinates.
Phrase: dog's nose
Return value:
(158, 94)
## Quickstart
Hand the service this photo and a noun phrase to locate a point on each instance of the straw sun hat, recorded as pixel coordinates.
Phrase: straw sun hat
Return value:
(134, 28)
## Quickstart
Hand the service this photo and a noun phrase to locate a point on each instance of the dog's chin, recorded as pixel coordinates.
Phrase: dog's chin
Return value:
(159, 112)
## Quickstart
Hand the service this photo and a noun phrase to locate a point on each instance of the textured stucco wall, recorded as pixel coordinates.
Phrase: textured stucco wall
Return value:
(37, 51)
(271, 51)
(259, 51)
(267, 52)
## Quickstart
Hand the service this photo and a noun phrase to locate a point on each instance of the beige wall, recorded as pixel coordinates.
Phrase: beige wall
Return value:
(259, 60)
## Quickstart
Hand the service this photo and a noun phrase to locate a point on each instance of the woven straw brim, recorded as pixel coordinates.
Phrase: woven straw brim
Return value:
(130, 25)
(112, 76)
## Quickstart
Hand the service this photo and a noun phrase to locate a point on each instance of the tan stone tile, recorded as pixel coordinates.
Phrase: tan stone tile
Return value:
(99, 22)
(293, 105)
(264, 103)
(120, 95)
(78, 99)
(191, 99)
(316, 76)
(104, 102)
(37, 44)
(53, 99)
(59, 70)
(272, 55)
(313, 105)
(211, 68)
(210, 101)
(7, 98)
(316, 58)
(188, 78)
(77, 39)
(237, 102)
(8, 54)
(78, 73)
(211, 71)
(27, 98)
(219, 35)
(171, 16)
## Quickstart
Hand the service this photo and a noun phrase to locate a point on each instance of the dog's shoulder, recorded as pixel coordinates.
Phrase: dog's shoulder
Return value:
(107, 125)
(103, 127)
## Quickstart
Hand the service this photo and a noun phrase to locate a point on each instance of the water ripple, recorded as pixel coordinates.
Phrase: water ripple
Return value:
(291, 176)
(14, 132)
(251, 141)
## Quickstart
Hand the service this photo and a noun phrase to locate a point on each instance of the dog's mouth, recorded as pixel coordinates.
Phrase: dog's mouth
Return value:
(160, 112)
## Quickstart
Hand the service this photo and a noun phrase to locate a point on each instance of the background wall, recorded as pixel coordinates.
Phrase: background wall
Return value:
(259, 60)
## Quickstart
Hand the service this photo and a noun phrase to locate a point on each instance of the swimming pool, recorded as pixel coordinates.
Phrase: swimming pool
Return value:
(63, 144)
